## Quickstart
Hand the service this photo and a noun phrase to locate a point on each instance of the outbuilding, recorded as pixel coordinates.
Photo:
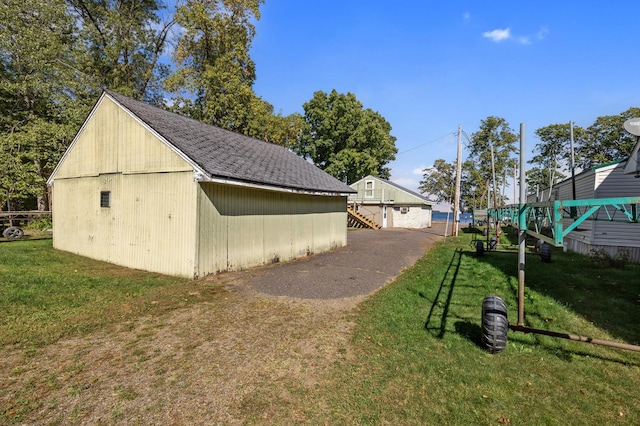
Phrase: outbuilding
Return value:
(146, 188)
(390, 205)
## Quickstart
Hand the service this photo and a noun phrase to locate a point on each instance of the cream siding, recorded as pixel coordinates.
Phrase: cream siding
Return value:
(113, 141)
(242, 227)
(150, 224)
(161, 220)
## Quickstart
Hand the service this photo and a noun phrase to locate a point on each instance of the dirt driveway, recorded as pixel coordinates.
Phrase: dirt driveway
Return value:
(370, 260)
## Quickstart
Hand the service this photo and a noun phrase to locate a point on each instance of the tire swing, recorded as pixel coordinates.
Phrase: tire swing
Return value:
(479, 248)
(494, 324)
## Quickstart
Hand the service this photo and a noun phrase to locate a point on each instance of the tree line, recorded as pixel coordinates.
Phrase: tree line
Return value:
(602, 142)
(188, 56)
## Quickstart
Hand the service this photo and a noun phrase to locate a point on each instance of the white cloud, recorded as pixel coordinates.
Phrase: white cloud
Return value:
(418, 171)
(498, 35)
(466, 17)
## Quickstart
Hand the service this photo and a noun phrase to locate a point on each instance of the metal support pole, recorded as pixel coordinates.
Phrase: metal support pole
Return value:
(522, 224)
(456, 198)
(576, 338)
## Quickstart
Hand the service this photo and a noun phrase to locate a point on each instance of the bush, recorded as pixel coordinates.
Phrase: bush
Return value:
(606, 260)
(40, 225)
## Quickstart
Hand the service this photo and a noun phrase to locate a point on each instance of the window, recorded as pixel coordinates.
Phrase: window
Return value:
(105, 198)
(368, 189)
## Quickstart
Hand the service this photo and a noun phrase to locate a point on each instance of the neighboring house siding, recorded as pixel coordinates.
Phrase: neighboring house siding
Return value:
(611, 183)
(608, 181)
(244, 227)
(415, 217)
(375, 194)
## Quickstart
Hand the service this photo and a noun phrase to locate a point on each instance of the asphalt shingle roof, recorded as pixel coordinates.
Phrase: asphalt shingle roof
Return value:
(229, 155)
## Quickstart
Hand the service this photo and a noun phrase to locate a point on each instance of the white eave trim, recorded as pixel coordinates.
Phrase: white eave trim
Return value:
(204, 178)
(199, 175)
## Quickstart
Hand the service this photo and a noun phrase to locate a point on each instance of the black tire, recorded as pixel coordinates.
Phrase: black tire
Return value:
(13, 233)
(494, 324)
(493, 243)
(479, 248)
(485, 231)
(545, 253)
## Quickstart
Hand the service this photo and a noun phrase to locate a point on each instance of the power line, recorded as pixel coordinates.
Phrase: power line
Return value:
(426, 143)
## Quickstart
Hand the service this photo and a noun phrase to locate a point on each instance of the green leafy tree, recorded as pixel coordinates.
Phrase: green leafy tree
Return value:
(273, 128)
(552, 155)
(606, 140)
(37, 114)
(55, 58)
(438, 181)
(121, 42)
(494, 132)
(214, 73)
(344, 139)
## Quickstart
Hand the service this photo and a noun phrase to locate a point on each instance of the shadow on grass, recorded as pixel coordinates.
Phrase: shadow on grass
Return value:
(446, 285)
(442, 302)
(471, 230)
(470, 331)
(608, 298)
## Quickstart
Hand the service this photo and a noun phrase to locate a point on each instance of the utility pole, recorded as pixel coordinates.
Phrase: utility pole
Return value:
(456, 197)
(515, 183)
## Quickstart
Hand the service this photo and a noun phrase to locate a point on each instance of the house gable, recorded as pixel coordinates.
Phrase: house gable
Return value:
(114, 141)
(375, 190)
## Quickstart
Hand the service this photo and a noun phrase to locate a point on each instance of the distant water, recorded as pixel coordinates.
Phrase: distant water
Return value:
(437, 216)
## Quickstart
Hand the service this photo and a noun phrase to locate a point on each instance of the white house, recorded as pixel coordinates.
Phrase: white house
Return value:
(389, 204)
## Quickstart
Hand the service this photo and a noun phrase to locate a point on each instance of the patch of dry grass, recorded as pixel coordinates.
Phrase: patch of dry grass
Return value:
(230, 359)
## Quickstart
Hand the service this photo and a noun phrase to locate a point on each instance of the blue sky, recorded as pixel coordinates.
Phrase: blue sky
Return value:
(429, 66)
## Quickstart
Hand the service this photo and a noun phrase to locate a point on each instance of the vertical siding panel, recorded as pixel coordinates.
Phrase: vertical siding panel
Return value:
(158, 222)
(245, 227)
(150, 224)
(245, 233)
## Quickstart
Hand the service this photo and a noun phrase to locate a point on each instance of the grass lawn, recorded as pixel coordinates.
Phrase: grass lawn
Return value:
(412, 355)
(47, 294)
(419, 359)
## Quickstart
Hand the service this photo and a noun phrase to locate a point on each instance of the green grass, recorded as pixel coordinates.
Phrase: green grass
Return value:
(47, 294)
(418, 358)
(414, 356)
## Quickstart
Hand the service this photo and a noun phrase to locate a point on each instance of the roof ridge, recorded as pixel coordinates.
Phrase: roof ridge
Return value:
(229, 155)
